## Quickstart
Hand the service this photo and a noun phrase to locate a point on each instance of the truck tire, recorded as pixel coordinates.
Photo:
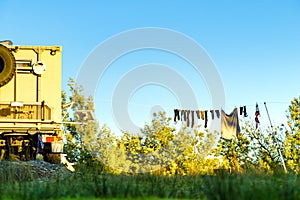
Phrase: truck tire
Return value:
(7, 65)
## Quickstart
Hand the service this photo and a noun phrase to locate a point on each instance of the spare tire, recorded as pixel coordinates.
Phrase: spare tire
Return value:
(7, 65)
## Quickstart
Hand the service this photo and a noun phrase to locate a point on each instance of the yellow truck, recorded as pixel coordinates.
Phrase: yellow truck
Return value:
(30, 102)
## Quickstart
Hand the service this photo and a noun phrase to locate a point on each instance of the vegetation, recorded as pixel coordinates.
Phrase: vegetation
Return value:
(92, 184)
(160, 149)
(162, 162)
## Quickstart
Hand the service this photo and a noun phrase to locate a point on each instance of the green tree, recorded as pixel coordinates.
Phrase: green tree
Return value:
(234, 153)
(76, 133)
(254, 149)
(160, 149)
(152, 148)
(292, 141)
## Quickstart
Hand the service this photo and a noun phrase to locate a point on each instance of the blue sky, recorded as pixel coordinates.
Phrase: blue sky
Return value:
(255, 46)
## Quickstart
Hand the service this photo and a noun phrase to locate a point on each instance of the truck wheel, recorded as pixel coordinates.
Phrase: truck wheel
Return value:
(7, 65)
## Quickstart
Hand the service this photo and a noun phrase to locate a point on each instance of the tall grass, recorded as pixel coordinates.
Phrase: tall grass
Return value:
(16, 183)
(252, 186)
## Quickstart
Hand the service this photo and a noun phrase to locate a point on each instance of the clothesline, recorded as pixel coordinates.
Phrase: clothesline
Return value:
(189, 115)
(229, 123)
(268, 102)
(151, 105)
(184, 115)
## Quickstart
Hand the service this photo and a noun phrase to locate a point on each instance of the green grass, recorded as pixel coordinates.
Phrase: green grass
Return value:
(19, 184)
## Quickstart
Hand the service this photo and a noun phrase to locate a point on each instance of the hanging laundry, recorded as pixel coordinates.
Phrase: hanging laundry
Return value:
(230, 124)
(205, 118)
(217, 113)
(212, 114)
(257, 113)
(192, 112)
(245, 112)
(184, 115)
(40, 145)
(202, 114)
(176, 115)
(198, 114)
(188, 118)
